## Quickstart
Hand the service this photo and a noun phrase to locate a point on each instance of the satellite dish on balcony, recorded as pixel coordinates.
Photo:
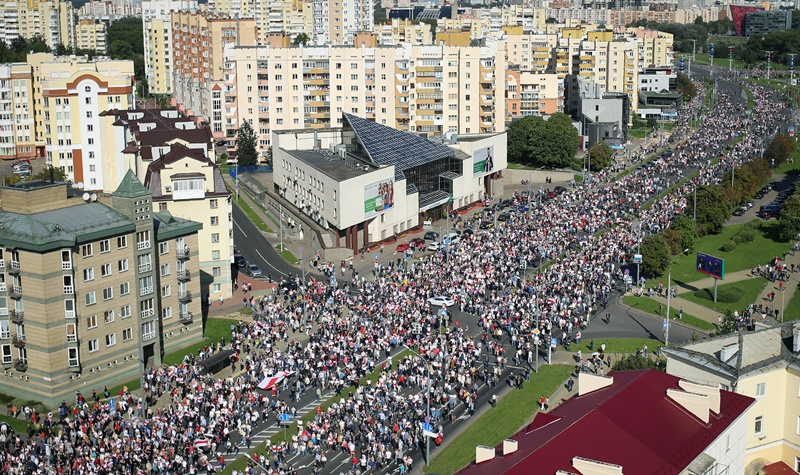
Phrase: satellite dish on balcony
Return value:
(79, 185)
(94, 196)
(86, 197)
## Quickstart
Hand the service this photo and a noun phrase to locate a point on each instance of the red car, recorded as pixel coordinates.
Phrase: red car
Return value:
(403, 247)
(417, 243)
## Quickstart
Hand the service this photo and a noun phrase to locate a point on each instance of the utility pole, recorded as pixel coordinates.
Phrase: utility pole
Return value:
(730, 59)
(712, 50)
(694, 49)
(792, 93)
(769, 62)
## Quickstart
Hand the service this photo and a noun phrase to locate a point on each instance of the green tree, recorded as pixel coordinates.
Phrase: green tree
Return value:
(728, 325)
(433, 23)
(685, 86)
(126, 41)
(600, 156)
(634, 362)
(779, 149)
(789, 223)
(380, 17)
(713, 209)
(246, 152)
(301, 39)
(684, 226)
(655, 255)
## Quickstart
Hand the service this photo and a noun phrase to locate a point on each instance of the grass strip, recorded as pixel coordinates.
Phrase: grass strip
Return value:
(651, 306)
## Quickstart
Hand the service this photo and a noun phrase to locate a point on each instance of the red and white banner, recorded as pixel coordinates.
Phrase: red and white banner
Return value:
(200, 443)
(271, 381)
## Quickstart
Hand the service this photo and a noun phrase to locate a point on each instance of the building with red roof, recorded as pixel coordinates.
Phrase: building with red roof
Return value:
(633, 422)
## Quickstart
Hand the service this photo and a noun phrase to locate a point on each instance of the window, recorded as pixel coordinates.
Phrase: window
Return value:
(91, 299)
(217, 288)
(105, 270)
(164, 269)
(86, 250)
(216, 271)
(761, 389)
(166, 313)
(88, 274)
(122, 265)
(215, 220)
(108, 316)
(105, 246)
(163, 247)
(93, 346)
(91, 321)
(214, 237)
(5, 330)
(125, 288)
(148, 330)
(72, 333)
(213, 204)
(5, 350)
(215, 255)
(127, 334)
(72, 357)
(122, 242)
(759, 424)
(125, 311)
(108, 293)
(166, 291)
(111, 339)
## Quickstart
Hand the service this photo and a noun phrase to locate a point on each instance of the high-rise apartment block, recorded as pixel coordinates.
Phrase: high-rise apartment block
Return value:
(424, 89)
(157, 24)
(52, 20)
(17, 130)
(90, 34)
(94, 288)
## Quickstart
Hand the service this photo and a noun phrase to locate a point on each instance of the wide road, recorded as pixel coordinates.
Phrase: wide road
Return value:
(256, 249)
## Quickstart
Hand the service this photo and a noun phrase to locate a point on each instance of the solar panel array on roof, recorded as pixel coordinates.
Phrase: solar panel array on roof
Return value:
(387, 146)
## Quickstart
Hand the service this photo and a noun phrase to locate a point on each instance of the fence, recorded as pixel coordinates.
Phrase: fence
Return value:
(250, 169)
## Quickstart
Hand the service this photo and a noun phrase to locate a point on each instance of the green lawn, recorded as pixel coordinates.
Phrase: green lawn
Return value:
(638, 133)
(215, 329)
(746, 256)
(721, 60)
(651, 306)
(286, 254)
(749, 289)
(260, 224)
(786, 167)
(618, 345)
(518, 166)
(19, 425)
(511, 414)
(792, 310)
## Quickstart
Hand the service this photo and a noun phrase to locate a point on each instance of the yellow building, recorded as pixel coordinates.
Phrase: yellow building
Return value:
(51, 20)
(403, 31)
(69, 95)
(91, 35)
(157, 30)
(93, 288)
(17, 129)
(760, 364)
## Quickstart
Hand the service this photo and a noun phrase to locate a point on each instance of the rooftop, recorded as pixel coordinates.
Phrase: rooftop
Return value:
(632, 423)
(333, 165)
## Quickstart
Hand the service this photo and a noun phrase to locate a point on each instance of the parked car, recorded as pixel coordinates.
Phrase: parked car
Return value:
(434, 246)
(431, 236)
(453, 237)
(253, 270)
(239, 260)
(441, 300)
(503, 217)
(738, 212)
(486, 225)
(559, 189)
(417, 243)
(402, 247)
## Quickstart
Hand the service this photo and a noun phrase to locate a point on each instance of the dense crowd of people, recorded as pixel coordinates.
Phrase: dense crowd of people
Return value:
(331, 334)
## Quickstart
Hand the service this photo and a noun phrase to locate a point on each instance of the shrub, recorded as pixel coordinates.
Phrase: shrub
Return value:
(724, 295)
(729, 246)
(737, 239)
(745, 235)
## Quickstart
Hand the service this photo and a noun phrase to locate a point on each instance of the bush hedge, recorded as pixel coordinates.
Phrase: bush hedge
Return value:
(724, 295)
(729, 246)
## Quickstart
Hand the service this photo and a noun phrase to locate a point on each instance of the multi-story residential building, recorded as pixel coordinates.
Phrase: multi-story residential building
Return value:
(17, 137)
(403, 31)
(69, 94)
(92, 291)
(158, 50)
(531, 52)
(90, 34)
(198, 43)
(52, 20)
(762, 364)
(109, 11)
(533, 93)
(424, 89)
(174, 158)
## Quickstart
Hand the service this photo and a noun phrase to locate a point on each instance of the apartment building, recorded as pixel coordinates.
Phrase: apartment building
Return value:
(69, 93)
(157, 26)
(403, 31)
(531, 52)
(198, 43)
(174, 157)
(93, 289)
(17, 131)
(533, 93)
(90, 34)
(52, 20)
(109, 11)
(424, 89)
(762, 364)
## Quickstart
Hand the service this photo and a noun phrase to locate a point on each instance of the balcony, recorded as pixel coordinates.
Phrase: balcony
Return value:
(145, 268)
(15, 292)
(146, 291)
(69, 290)
(14, 267)
(148, 313)
(66, 265)
(184, 296)
(183, 254)
(17, 316)
(19, 341)
(186, 317)
(141, 246)
(21, 365)
(184, 275)
(2, 286)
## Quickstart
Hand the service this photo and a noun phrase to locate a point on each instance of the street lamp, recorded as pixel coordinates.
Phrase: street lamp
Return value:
(669, 294)
(428, 400)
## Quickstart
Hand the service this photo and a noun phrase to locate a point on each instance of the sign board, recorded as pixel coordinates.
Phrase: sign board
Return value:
(378, 197)
(710, 265)
(637, 258)
(284, 418)
(791, 131)
(553, 342)
(483, 161)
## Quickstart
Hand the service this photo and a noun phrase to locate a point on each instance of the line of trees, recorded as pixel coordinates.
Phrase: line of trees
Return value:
(551, 143)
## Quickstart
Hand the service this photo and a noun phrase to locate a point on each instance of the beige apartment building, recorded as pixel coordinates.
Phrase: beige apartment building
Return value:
(90, 34)
(533, 93)
(53, 20)
(403, 31)
(69, 95)
(93, 289)
(762, 364)
(17, 131)
(157, 29)
(435, 90)
(198, 44)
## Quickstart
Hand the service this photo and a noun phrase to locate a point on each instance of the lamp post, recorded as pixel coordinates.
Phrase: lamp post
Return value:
(669, 294)
(428, 400)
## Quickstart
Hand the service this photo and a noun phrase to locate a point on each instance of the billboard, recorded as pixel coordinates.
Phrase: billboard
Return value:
(378, 197)
(483, 161)
(710, 265)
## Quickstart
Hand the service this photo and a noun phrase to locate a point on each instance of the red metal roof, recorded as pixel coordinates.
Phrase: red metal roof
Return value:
(778, 468)
(631, 423)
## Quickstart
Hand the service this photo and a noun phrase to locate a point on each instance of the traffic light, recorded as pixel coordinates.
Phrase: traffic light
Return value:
(712, 50)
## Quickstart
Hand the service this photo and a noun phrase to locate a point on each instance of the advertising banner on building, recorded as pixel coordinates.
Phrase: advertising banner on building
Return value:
(378, 197)
(483, 161)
